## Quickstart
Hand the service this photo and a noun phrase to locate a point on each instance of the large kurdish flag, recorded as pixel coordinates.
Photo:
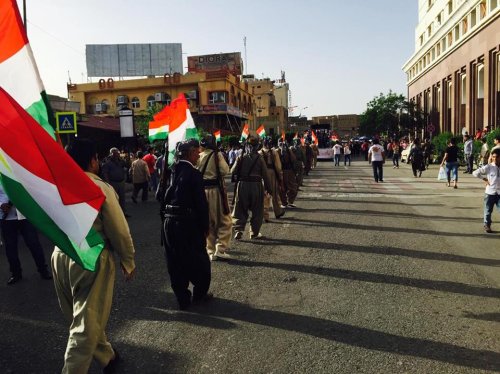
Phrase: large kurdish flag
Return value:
(47, 186)
(181, 124)
(18, 71)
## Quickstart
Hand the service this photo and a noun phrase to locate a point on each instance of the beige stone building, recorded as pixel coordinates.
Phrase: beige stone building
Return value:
(454, 74)
(345, 125)
(217, 99)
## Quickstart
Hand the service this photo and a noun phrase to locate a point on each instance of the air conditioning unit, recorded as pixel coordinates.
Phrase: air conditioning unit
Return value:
(98, 108)
(160, 97)
(122, 100)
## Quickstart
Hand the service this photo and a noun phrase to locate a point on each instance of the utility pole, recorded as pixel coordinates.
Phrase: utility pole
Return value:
(246, 61)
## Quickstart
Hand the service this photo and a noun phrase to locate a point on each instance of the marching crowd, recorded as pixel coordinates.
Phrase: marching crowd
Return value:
(197, 220)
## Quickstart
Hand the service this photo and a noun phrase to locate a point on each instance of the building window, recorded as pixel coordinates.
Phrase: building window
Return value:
(151, 101)
(429, 30)
(449, 95)
(457, 33)
(136, 103)
(493, 4)
(438, 19)
(217, 97)
(450, 7)
(480, 81)
(473, 18)
(438, 49)
(464, 26)
(463, 89)
(482, 9)
(443, 44)
(450, 39)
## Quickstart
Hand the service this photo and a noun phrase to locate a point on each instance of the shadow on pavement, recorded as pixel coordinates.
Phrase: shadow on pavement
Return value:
(386, 251)
(355, 336)
(493, 317)
(363, 276)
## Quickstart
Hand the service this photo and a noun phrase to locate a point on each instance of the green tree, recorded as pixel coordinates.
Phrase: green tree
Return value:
(386, 114)
(142, 121)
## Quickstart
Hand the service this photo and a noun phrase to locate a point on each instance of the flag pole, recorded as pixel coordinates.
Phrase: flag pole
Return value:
(24, 17)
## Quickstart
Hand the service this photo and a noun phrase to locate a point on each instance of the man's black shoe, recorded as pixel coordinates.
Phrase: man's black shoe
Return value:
(46, 275)
(112, 364)
(14, 279)
(280, 215)
(205, 298)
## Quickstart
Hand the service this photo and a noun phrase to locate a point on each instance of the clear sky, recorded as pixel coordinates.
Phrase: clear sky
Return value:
(337, 54)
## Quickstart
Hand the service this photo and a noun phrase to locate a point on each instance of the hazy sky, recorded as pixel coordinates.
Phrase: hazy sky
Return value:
(337, 54)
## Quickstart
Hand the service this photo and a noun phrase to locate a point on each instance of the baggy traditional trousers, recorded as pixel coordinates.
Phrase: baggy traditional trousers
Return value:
(291, 187)
(278, 210)
(220, 224)
(85, 298)
(249, 197)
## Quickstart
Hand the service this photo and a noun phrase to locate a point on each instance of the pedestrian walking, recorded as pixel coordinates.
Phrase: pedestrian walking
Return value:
(490, 174)
(300, 159)
(213, 167)
(275, 175)
(250, 170)
(416, 157)
(85, 297)
(396, 154)
(150, 160)
(337, 152)
(468, 153)
(290, 185)
(114, 172)
(186, 227)
(139, 172)
(309, 157)
(13, 224)
(347, 154)
(376, 156)
(450, 161)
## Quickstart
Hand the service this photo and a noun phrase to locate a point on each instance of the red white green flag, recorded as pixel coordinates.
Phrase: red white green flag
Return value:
(18, 71)
(244, 133)
(47, 186)
(217, 136)
(314, 137)
(296, 136)
(283, 135)
(180, 123)
(261, 131)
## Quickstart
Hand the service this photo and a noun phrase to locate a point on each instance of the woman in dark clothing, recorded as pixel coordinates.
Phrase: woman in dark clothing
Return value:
(451, 160)
(416, 157)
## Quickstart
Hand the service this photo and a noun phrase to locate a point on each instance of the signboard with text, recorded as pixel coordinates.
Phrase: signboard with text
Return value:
(218, 62)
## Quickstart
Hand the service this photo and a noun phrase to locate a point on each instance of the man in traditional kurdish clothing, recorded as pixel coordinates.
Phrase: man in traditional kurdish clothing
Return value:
(309, 157)
(290, 186)
(315, 150)
(214, 168)
(85, 297)
(300, 158)
(275, 175)
(185, 228)
(250, 170)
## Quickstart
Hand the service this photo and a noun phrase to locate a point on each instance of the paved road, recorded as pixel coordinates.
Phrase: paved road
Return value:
(395, 277)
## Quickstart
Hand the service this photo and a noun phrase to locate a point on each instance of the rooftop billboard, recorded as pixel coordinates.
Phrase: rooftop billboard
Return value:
(222, 61)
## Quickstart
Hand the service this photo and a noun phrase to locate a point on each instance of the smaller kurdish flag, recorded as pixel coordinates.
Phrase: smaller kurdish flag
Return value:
(261, 131)
(283, 135)
(244, 133)
(314, 137)
(217, 136)
(296, 136)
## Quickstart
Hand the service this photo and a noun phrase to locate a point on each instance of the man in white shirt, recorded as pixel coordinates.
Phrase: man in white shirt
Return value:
(376, 156)
(337, 151)
(490, 174)
(12, 224)
(468, 146)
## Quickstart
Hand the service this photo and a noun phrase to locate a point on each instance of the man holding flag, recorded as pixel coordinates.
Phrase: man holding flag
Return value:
(86, 296)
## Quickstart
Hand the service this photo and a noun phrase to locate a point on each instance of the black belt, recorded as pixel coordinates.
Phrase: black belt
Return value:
(173, 210)
(251, 179)
(210, 182)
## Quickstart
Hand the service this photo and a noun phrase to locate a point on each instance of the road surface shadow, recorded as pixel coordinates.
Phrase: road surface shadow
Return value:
(355, 336)
(363, 276)
(386, 251)
(493, 317)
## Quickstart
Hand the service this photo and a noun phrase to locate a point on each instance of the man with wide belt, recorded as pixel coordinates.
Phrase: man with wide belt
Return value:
(250, 170)
(114, 172)
(185, 228)
(275, 175)
(290, 190)
(213, 168)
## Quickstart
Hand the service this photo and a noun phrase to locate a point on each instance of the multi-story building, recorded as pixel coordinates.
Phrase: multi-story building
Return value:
(217, 99)
(454, 75)
(268, 112)
(344, 125)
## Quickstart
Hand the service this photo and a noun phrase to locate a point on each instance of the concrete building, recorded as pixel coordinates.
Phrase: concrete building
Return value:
(454, 75)
(345, 126)
(217, 99)
(269, 111)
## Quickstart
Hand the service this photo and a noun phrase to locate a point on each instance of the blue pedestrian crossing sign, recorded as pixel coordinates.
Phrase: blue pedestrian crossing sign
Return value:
(66, 122)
